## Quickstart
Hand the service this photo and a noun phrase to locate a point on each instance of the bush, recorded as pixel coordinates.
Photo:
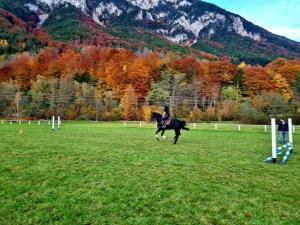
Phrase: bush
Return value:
(249, 114)
(195, 115)
(113, 115)
(87, 113)
(228, 110)
(210, 114)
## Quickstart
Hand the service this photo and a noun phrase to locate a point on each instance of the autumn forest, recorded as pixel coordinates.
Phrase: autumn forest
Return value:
(112, 84)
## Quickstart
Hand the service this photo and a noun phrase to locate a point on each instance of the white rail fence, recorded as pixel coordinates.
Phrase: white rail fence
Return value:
(29, 122)
(212, 126)
(194, 126)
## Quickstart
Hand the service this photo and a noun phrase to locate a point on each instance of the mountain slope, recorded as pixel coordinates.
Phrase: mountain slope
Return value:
(18, 36)
(193, 23)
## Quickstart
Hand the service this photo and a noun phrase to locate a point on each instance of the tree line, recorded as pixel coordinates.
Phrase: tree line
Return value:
(96, 83)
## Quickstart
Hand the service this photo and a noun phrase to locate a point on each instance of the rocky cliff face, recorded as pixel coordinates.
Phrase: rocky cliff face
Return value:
(187, 22)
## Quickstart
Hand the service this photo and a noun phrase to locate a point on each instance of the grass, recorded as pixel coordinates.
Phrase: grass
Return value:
(105, 173)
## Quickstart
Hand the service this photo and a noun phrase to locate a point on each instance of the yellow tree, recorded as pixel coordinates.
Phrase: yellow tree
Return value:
(147, 112)
(287, 68)
(195, 115)
(282, 85)
(130, 104)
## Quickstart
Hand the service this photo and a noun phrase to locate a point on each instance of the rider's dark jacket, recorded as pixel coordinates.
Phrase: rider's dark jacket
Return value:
(166, 114)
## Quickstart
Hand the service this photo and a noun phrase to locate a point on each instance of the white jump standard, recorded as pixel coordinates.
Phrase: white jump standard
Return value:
(56, 125)
(277, 151)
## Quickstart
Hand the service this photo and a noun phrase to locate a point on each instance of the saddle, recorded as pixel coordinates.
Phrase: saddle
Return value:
(167, 122)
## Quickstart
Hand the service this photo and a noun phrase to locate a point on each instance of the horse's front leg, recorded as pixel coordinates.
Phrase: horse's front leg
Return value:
(156, 134)
(163, 134)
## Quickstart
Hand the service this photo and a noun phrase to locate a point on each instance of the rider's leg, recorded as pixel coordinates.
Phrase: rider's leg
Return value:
(163, 123)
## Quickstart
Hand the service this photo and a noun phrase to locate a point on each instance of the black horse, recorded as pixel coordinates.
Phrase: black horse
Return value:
(175, 124)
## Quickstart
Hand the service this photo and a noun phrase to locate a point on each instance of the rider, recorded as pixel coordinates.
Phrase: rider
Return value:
(166, 116)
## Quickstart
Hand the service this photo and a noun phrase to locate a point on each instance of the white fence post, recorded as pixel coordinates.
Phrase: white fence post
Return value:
(39, 122)
(265, 128)
(20, 121)
(29, 122)
(239, 128)
(294, 129)
(195, 125)
(58, 122)
(125, 123)
(216, 126)
(49, 122)
(140, 123)
(2, 121)
(53, 122)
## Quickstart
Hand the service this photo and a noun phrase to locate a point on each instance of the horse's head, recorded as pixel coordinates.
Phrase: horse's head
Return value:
(156, 116)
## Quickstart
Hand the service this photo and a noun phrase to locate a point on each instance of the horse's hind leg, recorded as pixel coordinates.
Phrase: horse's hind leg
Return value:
(177, 134)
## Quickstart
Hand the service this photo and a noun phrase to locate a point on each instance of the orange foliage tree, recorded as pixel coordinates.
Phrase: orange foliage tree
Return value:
(44, 60)
(257, 80)
(23, 70)
(124, 68)
(288, 69)
(210, 76)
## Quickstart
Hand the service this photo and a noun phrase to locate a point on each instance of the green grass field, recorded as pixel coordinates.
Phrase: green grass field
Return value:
(105, 173)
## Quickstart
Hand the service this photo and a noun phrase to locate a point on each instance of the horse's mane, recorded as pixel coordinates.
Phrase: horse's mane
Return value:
(156, 114)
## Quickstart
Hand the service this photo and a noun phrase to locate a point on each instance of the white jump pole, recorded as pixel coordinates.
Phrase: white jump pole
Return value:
(53, 122)
(274, 148)
(290, 131)
(290, 144)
